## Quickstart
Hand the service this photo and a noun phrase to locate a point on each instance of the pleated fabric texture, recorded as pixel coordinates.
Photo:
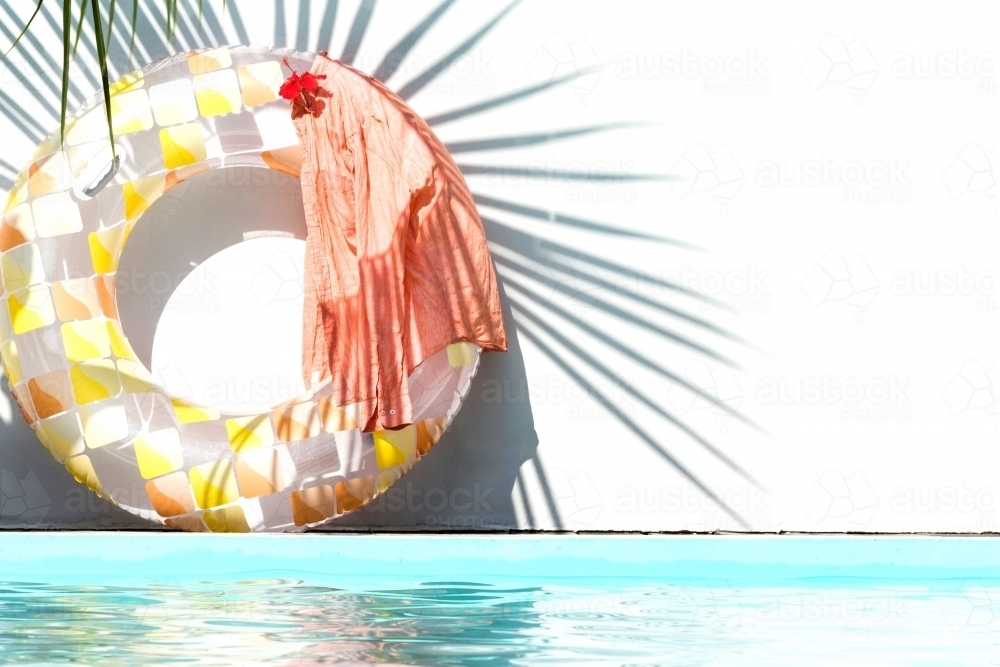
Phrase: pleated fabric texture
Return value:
(397, 264)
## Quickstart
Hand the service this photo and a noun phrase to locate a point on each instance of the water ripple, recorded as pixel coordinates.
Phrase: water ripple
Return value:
(446, 623)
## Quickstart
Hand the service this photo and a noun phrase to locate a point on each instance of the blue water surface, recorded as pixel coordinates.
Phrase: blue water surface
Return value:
(131, 599)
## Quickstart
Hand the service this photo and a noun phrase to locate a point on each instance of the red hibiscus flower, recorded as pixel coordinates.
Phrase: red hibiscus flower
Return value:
(301, 90)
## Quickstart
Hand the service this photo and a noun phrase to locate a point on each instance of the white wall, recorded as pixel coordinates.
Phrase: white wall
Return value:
(829, 360)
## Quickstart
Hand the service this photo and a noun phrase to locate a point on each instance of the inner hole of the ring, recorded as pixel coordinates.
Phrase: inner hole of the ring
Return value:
(210, 289)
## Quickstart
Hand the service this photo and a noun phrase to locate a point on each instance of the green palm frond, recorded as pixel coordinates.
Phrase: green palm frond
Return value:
(79, 26)
(111, 23)
(171, 18)
(67, 25)
(135, 22)
(102, 60)
(31, 20)
(102, 37)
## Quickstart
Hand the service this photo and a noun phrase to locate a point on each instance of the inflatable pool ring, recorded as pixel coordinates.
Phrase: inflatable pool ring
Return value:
(78, 382)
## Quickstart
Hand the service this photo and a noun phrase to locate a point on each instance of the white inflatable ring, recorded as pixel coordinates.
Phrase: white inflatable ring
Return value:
(78, 383)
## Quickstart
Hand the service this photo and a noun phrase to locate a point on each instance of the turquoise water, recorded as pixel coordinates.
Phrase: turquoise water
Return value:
(130, 599)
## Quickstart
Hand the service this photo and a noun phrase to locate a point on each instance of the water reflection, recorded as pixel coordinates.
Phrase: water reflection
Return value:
(290, 622)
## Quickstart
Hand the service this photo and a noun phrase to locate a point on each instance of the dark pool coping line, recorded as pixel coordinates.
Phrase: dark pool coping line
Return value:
(431, 531)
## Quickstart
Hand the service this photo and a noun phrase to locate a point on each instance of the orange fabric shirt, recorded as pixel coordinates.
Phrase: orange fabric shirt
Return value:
(397, 266)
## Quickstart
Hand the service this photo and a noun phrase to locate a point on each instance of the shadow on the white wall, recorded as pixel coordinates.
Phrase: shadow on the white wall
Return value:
(469, 479)
(37, 491)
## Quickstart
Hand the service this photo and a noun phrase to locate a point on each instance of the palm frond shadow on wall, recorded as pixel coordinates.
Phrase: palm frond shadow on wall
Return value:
(491, 448)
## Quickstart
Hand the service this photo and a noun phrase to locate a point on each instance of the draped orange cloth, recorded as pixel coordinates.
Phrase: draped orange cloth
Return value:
(397, 266)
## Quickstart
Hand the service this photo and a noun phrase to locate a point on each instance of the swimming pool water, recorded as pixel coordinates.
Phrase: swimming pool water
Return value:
(468, 623)
(129, 599)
